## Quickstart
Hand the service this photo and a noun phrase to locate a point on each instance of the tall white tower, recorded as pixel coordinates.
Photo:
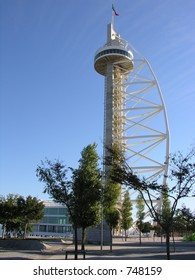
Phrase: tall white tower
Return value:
(113, 61)
(135, 115)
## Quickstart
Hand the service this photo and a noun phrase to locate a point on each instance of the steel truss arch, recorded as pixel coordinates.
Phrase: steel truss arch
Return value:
(140, 123)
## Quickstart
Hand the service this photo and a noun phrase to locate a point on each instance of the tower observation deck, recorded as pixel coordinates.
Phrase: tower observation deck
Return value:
(134, 114)
(114, 52)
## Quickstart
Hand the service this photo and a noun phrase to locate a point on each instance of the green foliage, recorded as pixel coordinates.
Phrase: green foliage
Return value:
(140, 209)
(8, 213)
(184, 221)
(30, 209)
(16, 212)
(140, 214)
(127, 207)
(87, 187)
(189, 237)
(112, 191)
(81, 194)
(111, 195)
(146, 227)
(112, 216)
(54, 176)
(166, 206)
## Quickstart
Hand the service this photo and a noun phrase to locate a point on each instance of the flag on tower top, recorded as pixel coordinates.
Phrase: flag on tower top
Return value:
(116, 14)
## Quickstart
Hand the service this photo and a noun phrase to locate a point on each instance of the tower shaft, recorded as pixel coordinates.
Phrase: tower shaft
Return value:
(112, 61)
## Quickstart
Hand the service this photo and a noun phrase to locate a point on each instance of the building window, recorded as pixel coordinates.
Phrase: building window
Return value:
(42, 228)
(52, 229)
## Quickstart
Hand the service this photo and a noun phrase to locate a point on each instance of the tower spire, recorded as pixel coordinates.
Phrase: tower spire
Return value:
(114, 13)
(112, 21)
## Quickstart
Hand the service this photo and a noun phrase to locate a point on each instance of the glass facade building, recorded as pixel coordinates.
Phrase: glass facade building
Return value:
(55, 221)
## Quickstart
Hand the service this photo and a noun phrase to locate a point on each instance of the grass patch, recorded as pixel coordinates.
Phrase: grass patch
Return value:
(189, 237)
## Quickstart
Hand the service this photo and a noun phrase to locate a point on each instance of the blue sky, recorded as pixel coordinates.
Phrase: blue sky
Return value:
(51, 98)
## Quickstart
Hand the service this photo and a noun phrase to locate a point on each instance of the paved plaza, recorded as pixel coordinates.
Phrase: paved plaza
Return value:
(122, 250)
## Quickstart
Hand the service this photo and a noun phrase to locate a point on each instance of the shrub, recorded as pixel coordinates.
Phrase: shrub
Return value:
(190, 237)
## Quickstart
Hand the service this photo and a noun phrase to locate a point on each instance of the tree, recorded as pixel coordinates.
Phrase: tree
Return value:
(146, 227)
(182, 177)
(2, 214)
(80, 194)
(87, 186)
(8, 213)
(112, 218)
(17, 212)
(140, 215)
(164, 218)
(29, 210)
(126, 213)
(111, 195)
(184, 220)
(56, 184)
